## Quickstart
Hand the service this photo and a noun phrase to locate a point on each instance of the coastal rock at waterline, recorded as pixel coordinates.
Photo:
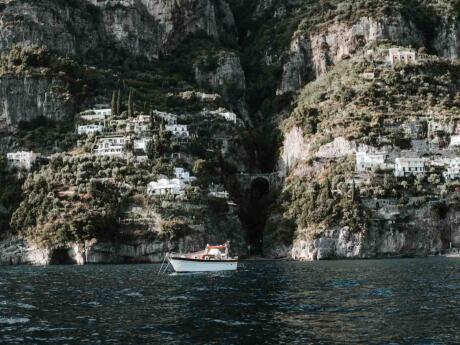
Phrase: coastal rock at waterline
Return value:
(19, 252)
(16, 251)
(338, 243)
(142, 252)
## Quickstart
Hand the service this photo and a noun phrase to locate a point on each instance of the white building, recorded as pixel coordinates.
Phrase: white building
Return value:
(227, 115)
(409, 166)
(395, 55)
(170, 119)
(453, 169)
(96, 114)
(371, 161)
(178, 130)
(369, 75)
(111, 146)
(166, 186)
(454, 141)
(138, 124)
(89, 129)
(141, 144)
(183, 175)
(220, 195)
(22, 159)
(218, 191)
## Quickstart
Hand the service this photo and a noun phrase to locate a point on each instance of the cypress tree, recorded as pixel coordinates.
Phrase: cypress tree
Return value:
(130, 104)
(355, 194)
(119, 102)
(114, 103)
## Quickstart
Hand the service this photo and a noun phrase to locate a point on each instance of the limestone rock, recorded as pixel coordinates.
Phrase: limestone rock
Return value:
(26, 98)
(312, 54)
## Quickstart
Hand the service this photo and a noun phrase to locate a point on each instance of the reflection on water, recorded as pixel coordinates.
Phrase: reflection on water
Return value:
(412, 301)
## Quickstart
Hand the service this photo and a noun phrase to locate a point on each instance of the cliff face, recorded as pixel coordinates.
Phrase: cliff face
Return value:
(19, 251)
(225, 76)
(26, 98)
(365, 105)
(426, 234)
(313, 54)
(256, 55)
(102, 33)
(68, 27)
(81, 28)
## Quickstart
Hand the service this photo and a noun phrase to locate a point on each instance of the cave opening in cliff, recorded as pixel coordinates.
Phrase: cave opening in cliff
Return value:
(255, 215)
(61, 257)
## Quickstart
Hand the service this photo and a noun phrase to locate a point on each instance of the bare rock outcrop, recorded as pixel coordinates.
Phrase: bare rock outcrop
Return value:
(24, 98)
(313, 54)
(86, 28)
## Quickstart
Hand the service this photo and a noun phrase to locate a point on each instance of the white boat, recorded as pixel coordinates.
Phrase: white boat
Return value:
(212, 259)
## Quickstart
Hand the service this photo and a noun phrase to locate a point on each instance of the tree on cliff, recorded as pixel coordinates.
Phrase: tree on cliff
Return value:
(131, 103)
(114, 103)
(119, 102)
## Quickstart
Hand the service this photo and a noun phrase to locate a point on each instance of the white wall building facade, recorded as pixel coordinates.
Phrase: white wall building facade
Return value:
(141, 144)
(89, 129)
(227, 115)
(409, 166)
(170, 119)
(454, 141)
(96, 114)
(166, 187)
(395, 55)
(183, 175)
(22, 159)
(139, 124)
(111, 146)
(178, 130)
(453, 169)
(370, 161)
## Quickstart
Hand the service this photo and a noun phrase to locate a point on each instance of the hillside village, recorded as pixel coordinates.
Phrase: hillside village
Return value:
(158, 193)
(352, 106)
(376, 156)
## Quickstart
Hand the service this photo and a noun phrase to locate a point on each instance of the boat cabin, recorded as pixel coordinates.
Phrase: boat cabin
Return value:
(216, 252)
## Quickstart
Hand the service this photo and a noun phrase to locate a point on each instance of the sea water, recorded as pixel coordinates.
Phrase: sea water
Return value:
(407, 301)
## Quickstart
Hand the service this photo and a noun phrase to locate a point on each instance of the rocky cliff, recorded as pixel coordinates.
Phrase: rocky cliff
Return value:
(313, 54)
(312, 81)
(89, 28)
(25, 98)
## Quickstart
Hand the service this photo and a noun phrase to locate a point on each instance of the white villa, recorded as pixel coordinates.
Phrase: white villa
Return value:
(22, 159)
(409, 166)
(89, 129)
(96, 114)
(218, 191)
(404, 56)
(110, 146)
(227, 115)
(141, 144)
(371, 161)
(170, 119)
(453, 169)
(166, 186)
(178, 130)
(183, 175)
(138, 124)
(454, 141)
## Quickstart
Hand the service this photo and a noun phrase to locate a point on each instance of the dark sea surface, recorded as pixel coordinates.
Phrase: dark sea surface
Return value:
(409, 301)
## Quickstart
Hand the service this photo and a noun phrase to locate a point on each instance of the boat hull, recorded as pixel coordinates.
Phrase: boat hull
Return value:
(195, 265)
